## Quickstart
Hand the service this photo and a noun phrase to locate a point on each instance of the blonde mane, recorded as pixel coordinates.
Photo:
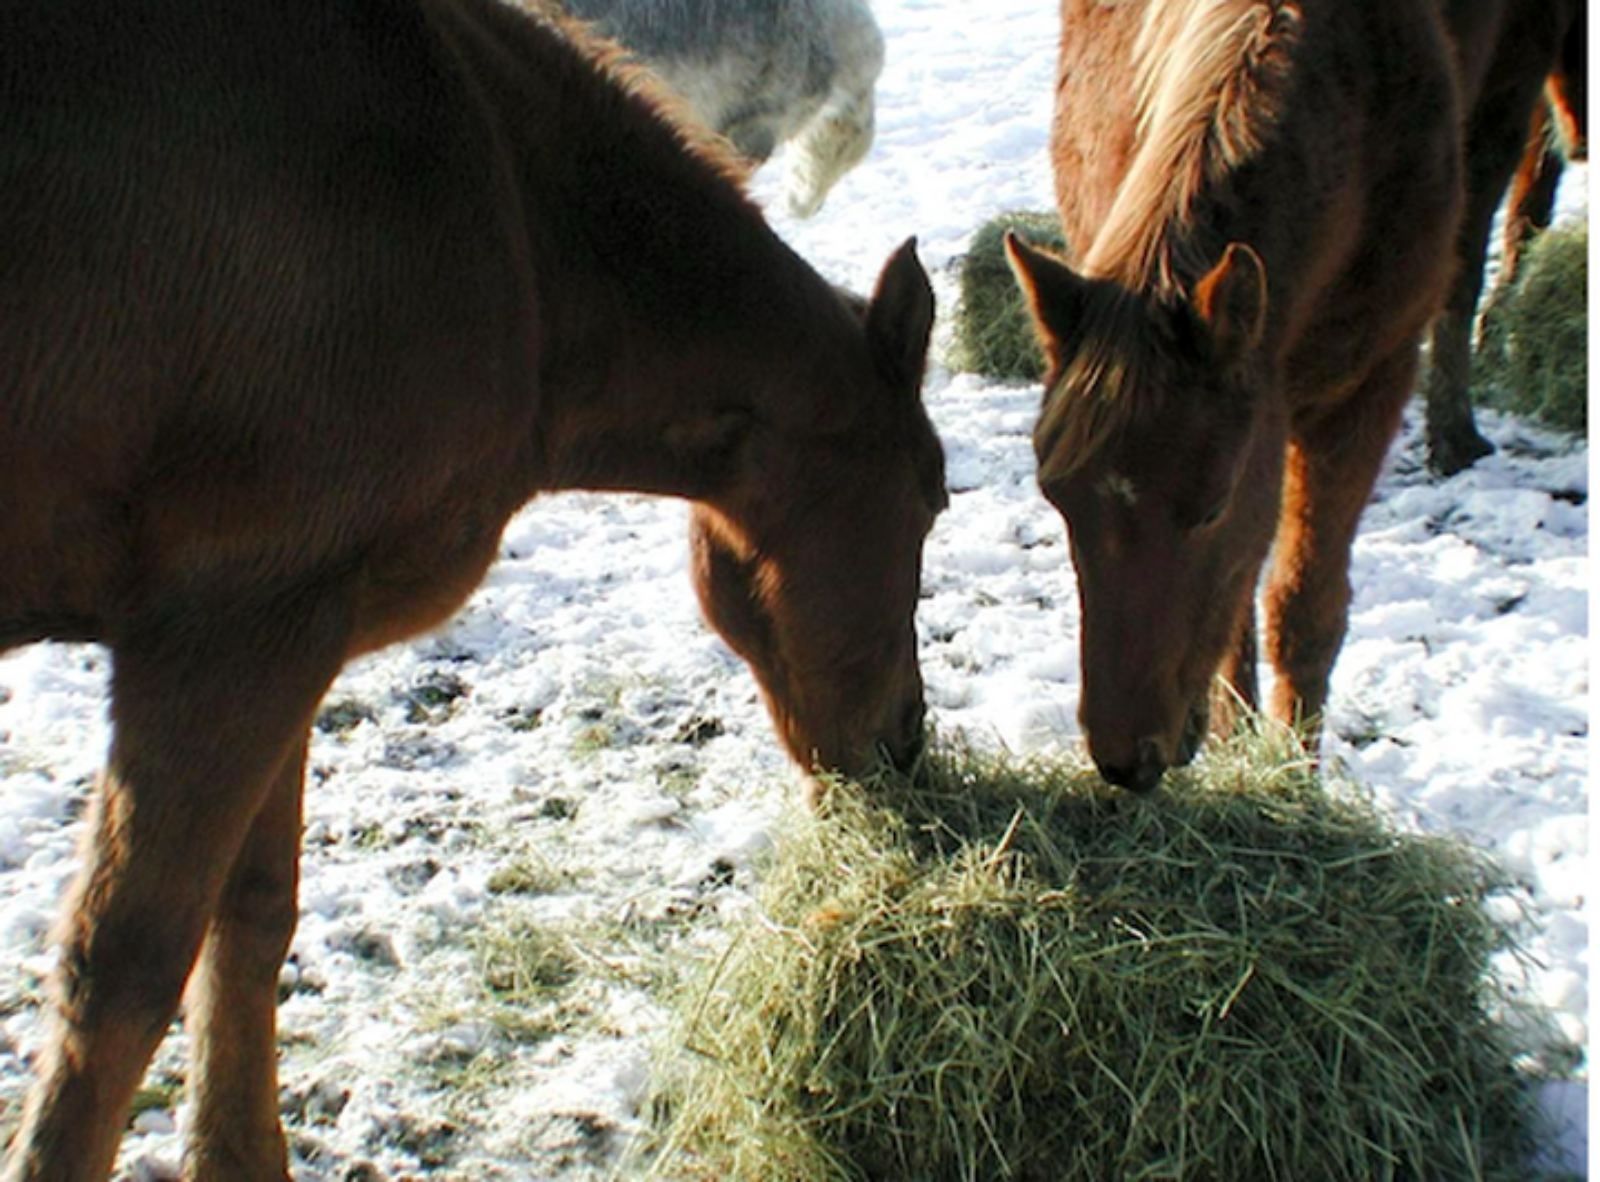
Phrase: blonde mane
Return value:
(1209, 86)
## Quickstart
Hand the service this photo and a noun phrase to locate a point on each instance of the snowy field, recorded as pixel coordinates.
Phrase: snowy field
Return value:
(577, 753)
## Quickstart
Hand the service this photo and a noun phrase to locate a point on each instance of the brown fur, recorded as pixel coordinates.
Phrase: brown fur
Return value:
(1263, 217)
(299, 303)
(1531, 201)
(1517, 60)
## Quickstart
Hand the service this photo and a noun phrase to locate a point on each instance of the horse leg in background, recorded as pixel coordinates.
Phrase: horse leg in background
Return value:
(833, 143)
(1331, 467)
(1236, 692)
(1453, 439)
(233, 996)
(207, 706)
(837, 137)
(753, 136)
(1558, 132)
(1495, 136)
(1533, 195)
(1567, 89)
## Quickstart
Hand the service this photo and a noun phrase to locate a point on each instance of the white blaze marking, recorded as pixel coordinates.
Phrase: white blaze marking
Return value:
(1119, 486)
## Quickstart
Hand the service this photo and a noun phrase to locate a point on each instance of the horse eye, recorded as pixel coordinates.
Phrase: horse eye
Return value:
(1189, 521)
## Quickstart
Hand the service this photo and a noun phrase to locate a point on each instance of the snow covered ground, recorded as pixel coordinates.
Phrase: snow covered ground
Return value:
(576, 753)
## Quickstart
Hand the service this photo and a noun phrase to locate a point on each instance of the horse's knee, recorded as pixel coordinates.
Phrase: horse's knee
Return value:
(256, 920)
(1305, 631)
(129, 971)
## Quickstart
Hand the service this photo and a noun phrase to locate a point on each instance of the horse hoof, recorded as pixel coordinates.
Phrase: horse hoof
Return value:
(1450, 455)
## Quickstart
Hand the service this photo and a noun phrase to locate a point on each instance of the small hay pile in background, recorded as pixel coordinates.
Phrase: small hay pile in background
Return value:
(992, 331)
(1014, 972)
(1533, 346)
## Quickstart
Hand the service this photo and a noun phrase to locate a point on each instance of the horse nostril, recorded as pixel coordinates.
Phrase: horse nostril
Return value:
(1145, 773)
(904, 744)
(1152, 766)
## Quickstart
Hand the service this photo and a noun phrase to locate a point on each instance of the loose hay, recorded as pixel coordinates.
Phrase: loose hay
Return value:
(1014, 972)
(1532, 353)
(993, 333)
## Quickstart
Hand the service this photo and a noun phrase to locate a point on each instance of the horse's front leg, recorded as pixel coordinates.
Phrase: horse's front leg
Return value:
(209, 705)
(1329, 473)
(1236, 693)
(232, 1003)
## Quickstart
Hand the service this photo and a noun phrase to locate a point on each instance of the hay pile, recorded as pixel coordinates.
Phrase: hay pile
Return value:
(1532, 351)
(992, 333)
(1016, 973)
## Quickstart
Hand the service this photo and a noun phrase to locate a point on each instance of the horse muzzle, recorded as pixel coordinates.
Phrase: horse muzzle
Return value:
(911, 741)
(1150, 760)
(1142, 773)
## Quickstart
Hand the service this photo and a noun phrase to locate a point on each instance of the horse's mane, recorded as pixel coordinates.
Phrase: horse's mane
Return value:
(618, 62)
(1209, 86)
(1209, 83)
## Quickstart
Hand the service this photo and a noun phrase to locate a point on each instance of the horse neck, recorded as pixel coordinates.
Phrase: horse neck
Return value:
(636, 402)
(668, 316)
(658, 364)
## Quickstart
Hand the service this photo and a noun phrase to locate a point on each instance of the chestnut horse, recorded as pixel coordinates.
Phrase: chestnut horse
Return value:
(1260, 197)
(299, 302)
(1521, 64)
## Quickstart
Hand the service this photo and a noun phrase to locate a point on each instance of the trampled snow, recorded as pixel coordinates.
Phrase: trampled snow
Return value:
(579, 721)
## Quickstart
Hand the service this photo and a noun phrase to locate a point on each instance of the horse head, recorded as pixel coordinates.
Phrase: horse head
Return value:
(1156, 446)
(810, 568)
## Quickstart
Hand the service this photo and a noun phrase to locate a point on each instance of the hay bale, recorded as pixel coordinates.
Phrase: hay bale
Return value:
(992, 332)
(1532, 349)
(1013, 972)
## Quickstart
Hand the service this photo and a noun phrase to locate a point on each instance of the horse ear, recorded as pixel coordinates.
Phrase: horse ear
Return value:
(1057, 296)
(1232, 300)
(900, 318)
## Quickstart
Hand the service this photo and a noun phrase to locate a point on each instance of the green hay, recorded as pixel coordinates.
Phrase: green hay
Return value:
(1532, 353)
(993, 333)
(1013, 972)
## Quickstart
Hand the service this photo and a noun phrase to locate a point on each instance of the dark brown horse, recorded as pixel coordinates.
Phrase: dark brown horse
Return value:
(1260, 197)
(298, 302)
(1520, 63)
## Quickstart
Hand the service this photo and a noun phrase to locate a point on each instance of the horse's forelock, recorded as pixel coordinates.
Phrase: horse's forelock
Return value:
(1110, 375)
